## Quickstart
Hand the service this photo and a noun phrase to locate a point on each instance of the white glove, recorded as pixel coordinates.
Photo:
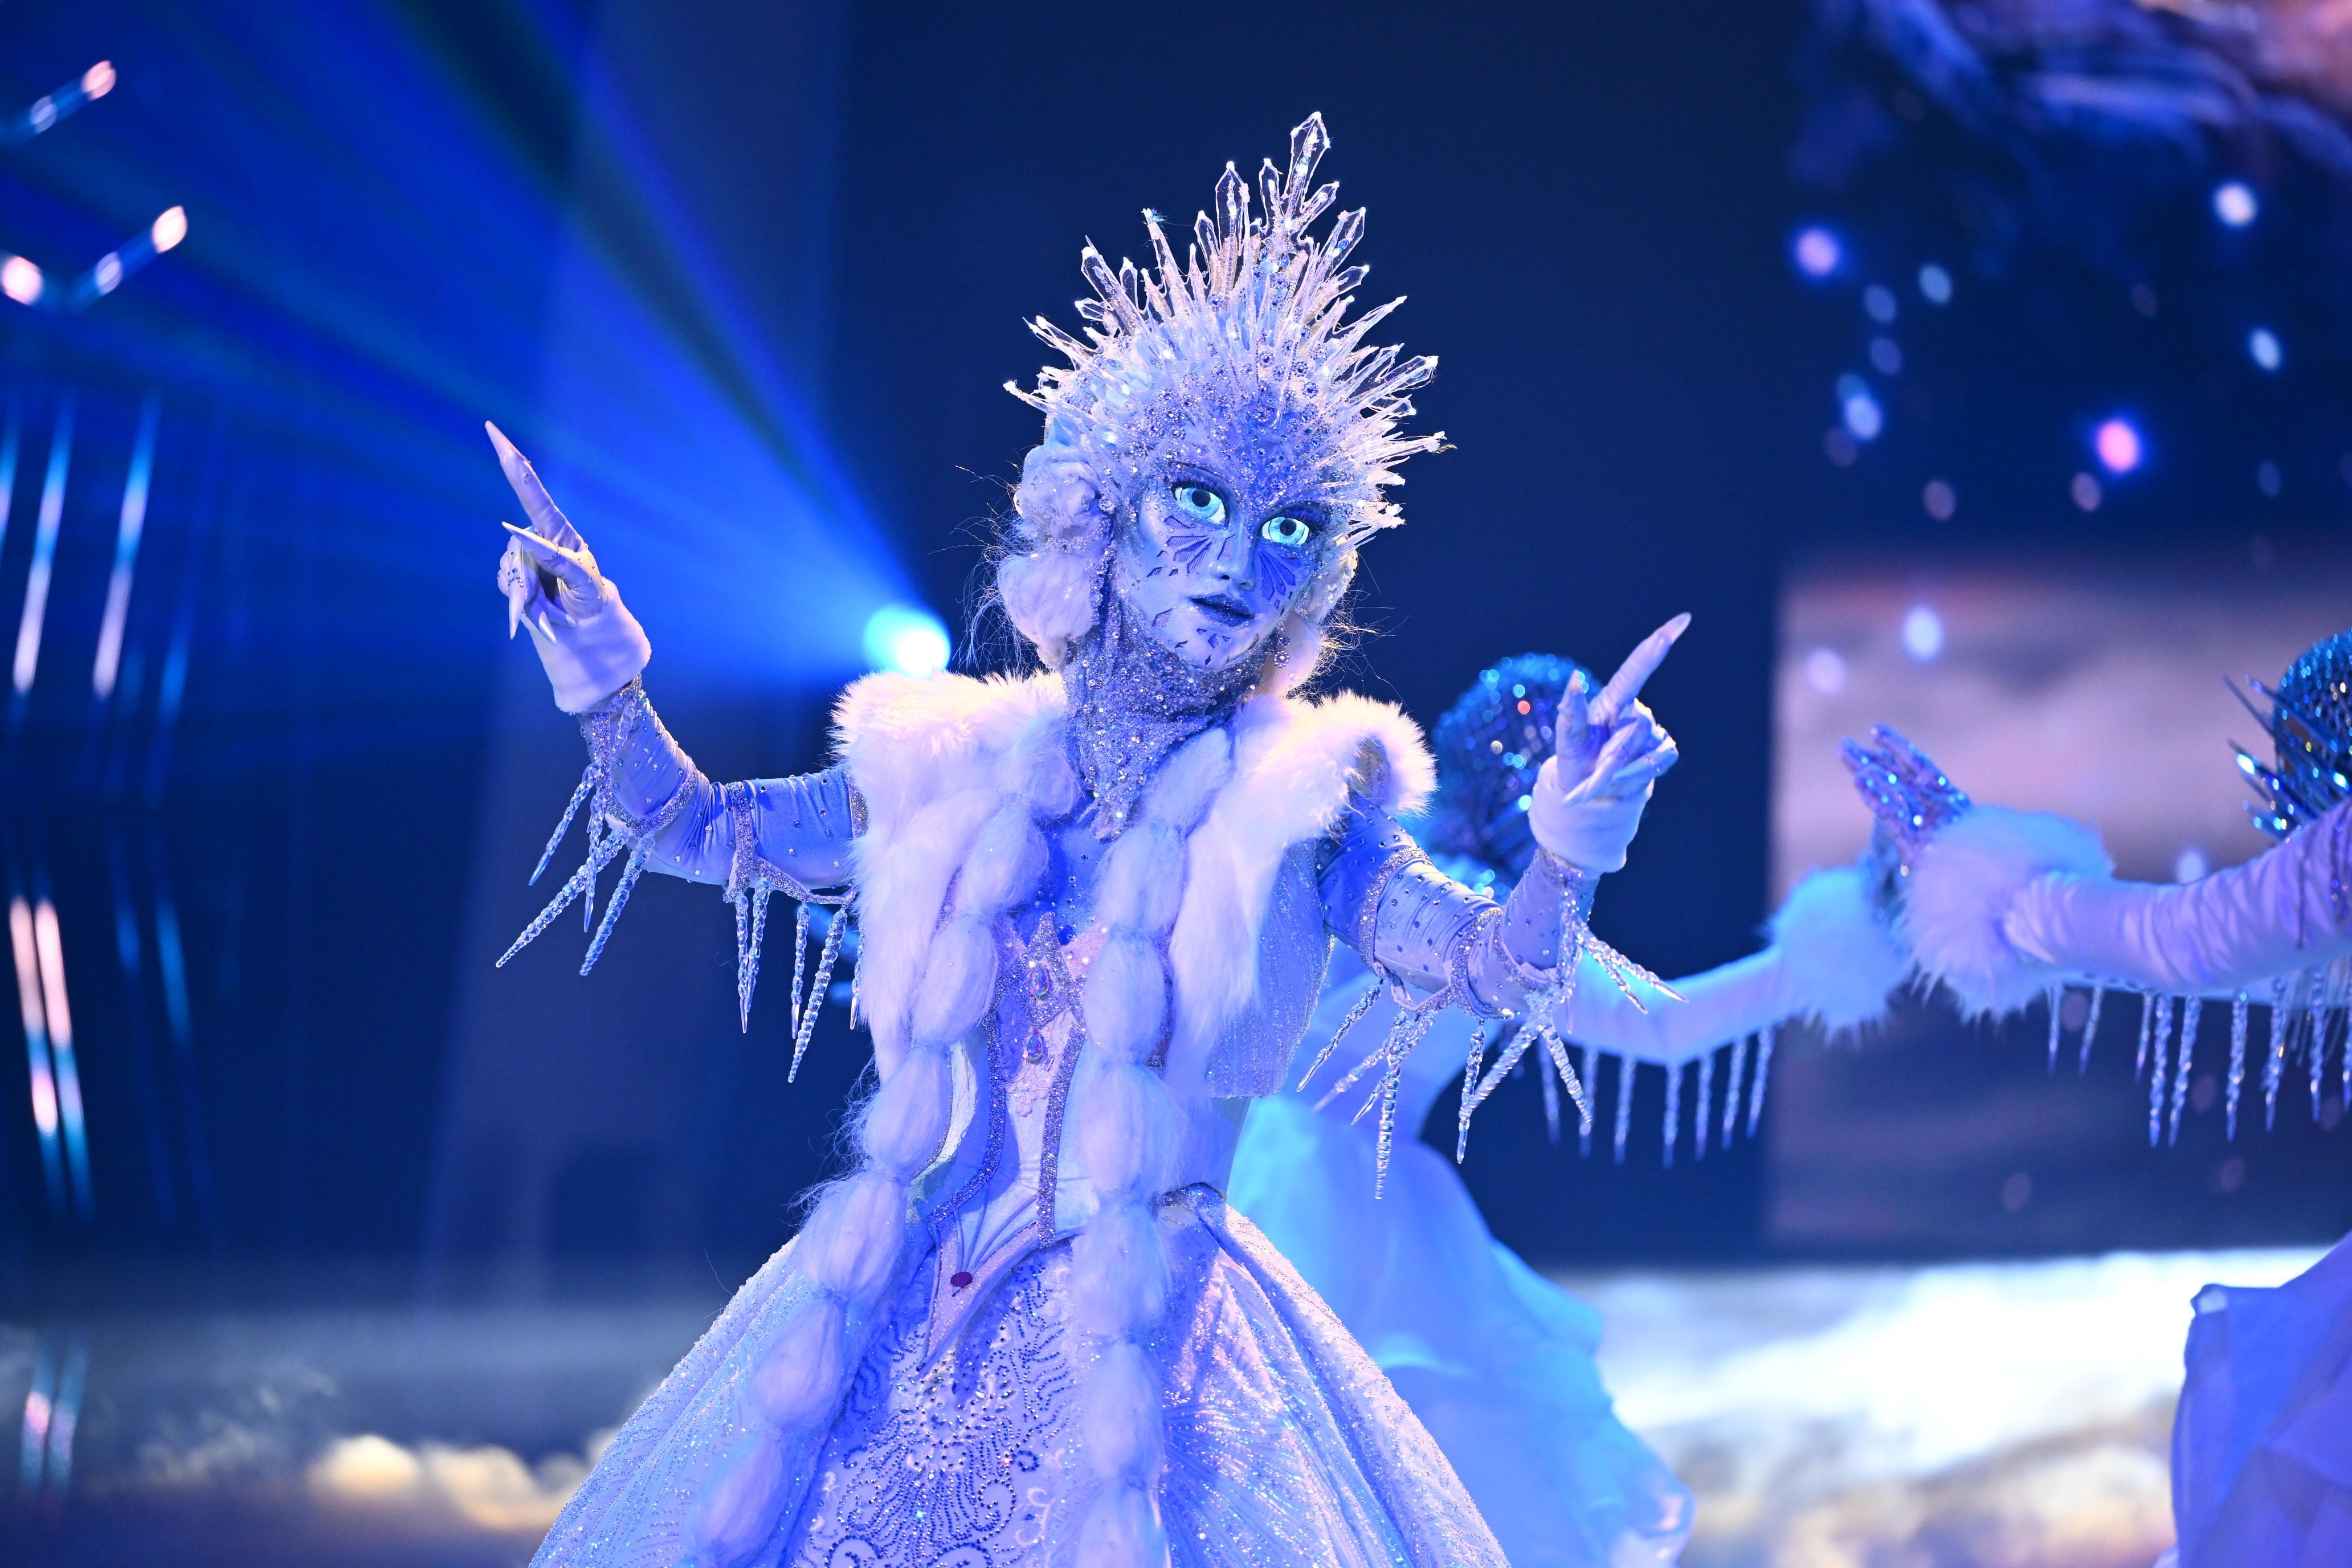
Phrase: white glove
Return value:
(587, 641)
(1589, 792)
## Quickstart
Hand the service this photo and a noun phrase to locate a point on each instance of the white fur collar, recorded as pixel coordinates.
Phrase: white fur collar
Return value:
(914, 746)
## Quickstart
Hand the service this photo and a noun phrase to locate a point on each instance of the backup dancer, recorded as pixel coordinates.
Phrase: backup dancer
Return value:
(1495, 1360)
(1094, 905)
(2001, 906)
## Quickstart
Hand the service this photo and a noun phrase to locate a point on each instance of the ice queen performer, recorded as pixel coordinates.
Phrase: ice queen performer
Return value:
(2003, 907)
(1095, 906)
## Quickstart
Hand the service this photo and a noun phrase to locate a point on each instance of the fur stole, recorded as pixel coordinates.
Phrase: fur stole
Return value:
(962, 780)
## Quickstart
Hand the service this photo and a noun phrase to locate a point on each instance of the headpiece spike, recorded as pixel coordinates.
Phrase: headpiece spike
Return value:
(1250, 334)
(2310, 727)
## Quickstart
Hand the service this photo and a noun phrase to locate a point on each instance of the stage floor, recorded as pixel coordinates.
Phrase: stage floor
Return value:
(1989, 1416)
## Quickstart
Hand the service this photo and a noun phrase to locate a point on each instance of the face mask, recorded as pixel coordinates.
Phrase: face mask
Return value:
(1210, 560)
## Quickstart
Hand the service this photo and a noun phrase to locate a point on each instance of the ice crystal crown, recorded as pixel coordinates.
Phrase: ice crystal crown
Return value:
(2310, 725)
(1245, 344)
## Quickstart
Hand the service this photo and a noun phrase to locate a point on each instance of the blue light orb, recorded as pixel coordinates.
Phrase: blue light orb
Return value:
(906, 638)
(1935, 285)
(2234, 204)
(1817, 252)
(2263, 346)
(1864, 418)
(2118, 445)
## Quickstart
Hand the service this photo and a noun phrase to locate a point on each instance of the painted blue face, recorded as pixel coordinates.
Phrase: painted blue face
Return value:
(1210, 560)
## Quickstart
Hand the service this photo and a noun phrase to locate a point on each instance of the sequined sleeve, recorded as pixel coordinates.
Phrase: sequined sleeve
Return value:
(1410, 921)
(644, 799)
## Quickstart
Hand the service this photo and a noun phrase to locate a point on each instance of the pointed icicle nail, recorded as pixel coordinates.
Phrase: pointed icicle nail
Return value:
(518, 596)
(506, 449)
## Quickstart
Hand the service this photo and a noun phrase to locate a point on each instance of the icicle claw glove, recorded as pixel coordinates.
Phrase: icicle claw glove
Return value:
(1588, 800)
(1913, 799)
(588, 642)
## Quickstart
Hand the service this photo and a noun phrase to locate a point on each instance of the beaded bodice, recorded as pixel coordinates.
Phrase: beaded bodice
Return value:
(1132, 703)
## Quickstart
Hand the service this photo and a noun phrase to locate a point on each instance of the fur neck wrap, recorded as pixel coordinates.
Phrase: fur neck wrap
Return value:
(961, 778)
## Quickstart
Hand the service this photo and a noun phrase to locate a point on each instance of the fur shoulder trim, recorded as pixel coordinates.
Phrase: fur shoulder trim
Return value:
(909, 739)
(1841, 962)
(1962, 886)
(1294, 765)
(1389, 762)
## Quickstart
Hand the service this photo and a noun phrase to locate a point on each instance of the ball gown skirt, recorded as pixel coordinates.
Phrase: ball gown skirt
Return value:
(2262, 1447)
(1285, 1443)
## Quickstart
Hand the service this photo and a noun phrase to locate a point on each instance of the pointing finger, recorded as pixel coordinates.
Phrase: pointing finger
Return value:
(1574, 723)
(1640, 665)
(547, 520)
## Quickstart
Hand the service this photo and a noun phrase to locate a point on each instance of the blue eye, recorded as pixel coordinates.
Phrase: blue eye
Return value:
(1200, 502)
(1293, 532)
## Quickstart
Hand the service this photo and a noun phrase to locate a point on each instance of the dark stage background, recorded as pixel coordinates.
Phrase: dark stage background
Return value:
(746, 280)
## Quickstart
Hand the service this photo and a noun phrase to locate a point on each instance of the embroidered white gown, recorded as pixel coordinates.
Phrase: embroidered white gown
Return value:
(960, 1443)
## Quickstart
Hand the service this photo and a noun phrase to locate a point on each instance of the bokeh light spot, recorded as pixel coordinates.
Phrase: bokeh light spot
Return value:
(2087, 492)
(2118, 445)
(1825, 671)
(1940, 500)
(1859, 409)
(2263, 346)
(1817, 252)
(1878, 301)
(2234, 204)
(1935, 285)
(1923, 633)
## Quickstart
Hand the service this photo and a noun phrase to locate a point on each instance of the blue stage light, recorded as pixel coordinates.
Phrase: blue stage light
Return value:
(1817, 252)
(2234, 204)
(906, 639)
(2117, 442)
(20, 279)
(1859, 408)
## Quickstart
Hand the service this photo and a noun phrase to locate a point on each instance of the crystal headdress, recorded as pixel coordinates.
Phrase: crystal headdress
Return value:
(2310, 726)
(1247, 341)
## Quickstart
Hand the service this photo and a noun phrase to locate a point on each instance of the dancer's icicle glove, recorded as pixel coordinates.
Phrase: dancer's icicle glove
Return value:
(588, 642)
(1588, 800)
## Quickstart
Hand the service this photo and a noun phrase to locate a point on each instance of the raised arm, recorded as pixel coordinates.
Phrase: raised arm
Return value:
(644, 797)
(1413, 923)
(1999, 905)
(1831, 961)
